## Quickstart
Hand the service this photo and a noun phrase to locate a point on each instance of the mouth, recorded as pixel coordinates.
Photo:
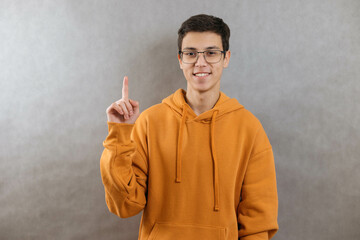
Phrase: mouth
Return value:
(201, 74)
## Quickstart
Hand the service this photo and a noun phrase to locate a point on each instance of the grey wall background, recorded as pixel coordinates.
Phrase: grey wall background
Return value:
(295, 65)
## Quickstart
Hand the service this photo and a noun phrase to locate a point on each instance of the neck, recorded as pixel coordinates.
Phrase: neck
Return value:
(202, 101)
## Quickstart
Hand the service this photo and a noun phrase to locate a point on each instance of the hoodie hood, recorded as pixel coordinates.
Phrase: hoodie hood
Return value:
(224, 105)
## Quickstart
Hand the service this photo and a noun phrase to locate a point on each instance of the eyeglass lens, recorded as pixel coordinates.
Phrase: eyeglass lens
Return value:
(211, 56)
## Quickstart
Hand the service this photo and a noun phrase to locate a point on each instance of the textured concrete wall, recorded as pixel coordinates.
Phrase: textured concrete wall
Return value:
(295, 65)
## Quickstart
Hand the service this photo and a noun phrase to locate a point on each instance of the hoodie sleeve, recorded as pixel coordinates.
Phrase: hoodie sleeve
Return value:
(258, 208)
(124, 169)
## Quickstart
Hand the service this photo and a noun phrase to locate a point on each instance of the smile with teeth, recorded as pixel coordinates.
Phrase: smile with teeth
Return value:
(201, 74)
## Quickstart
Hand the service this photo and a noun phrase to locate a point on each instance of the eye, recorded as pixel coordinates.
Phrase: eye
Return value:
(190, 54)
(212, 53)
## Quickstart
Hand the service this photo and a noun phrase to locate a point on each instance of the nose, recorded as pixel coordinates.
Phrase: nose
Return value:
(201, 60)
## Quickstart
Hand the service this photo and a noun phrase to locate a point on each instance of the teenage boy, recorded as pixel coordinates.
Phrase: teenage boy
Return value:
(199, 164)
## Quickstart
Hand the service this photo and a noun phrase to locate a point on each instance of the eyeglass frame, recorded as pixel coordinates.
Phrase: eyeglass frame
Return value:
(198, 54)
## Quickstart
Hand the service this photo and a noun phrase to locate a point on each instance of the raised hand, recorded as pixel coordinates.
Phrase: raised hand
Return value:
(123, 110)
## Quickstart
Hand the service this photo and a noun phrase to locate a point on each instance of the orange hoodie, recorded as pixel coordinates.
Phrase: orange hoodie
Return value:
(210, 176)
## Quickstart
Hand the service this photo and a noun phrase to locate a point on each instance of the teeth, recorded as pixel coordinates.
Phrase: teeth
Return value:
(201, 74)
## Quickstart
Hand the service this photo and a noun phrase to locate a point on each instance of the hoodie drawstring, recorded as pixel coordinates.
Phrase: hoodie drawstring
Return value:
(180, 138)
(213, 154)
(215, 168)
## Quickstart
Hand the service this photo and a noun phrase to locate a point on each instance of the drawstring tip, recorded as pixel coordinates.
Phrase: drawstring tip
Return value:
(216, 209)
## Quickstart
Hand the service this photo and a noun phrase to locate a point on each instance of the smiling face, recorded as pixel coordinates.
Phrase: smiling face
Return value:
(202, 76)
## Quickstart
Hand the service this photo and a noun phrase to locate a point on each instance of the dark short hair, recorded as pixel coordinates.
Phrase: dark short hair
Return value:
(205, 23)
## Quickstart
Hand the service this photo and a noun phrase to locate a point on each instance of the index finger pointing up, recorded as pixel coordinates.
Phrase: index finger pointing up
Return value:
(125, 88)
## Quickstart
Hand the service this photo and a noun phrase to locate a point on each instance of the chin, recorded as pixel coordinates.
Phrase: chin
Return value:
(201, 88)
(201, 85)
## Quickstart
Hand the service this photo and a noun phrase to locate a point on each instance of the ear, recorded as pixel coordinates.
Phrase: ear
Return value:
(180, 62)
(227, 59)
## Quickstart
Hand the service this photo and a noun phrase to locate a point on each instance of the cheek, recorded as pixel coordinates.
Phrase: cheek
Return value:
(218, 71)
(186, 69)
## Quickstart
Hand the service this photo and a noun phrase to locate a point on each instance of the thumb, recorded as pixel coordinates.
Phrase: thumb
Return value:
(134, 103)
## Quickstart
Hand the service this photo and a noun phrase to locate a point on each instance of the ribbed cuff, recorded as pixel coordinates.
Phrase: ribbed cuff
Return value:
(119, 132)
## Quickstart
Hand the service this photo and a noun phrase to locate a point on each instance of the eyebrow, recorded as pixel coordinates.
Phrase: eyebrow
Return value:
(208, 48)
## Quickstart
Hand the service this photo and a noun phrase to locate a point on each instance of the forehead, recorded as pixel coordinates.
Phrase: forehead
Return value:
(201, 40)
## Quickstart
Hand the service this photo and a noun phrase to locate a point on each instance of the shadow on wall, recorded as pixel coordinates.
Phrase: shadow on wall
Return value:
(156, 67)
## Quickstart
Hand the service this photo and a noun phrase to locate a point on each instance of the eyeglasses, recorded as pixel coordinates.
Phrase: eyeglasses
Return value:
(211, 56)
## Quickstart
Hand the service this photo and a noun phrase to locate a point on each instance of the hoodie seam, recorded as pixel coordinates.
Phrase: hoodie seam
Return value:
(179, 115)
(252, 146)
(259, 153)
(144, 159)
(174, 110)
(252, 155)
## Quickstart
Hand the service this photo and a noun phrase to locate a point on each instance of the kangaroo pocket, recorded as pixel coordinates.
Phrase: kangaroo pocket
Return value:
(179, 231)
